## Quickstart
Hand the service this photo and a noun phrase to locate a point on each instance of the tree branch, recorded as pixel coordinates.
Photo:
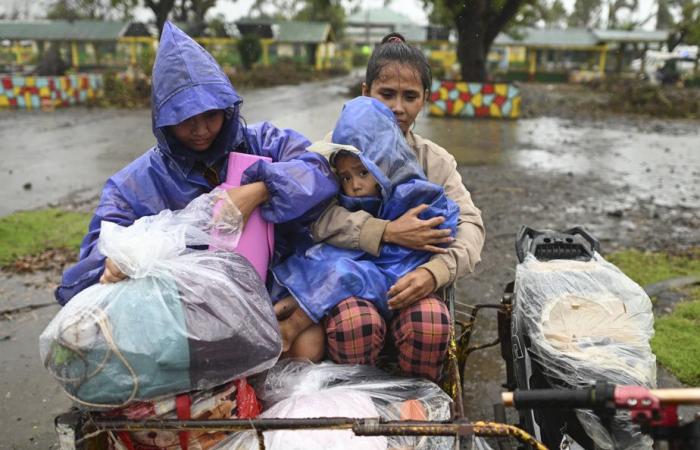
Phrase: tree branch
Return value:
(498, 21)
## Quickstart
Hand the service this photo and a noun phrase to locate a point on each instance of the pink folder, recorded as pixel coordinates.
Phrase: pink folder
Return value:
(257, 242)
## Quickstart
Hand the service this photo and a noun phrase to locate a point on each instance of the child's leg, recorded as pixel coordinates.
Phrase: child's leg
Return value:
(355, 331)
(310, 344)
(293, 324)
(421, 333)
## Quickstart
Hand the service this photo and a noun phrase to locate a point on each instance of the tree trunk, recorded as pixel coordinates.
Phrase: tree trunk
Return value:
(471, 34)
(161, 10)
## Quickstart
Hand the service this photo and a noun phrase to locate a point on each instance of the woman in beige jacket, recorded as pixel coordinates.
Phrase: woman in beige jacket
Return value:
(399, 76)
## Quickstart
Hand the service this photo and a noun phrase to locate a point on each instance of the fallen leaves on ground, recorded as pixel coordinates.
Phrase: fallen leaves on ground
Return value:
(52, 259)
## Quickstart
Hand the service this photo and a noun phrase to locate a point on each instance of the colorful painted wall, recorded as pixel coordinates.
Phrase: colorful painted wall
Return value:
(34, 92)
(461, 99)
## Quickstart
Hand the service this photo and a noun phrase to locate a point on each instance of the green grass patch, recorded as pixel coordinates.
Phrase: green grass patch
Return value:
(677, 335)
(646, 268)
(677, 340)
(29, 233)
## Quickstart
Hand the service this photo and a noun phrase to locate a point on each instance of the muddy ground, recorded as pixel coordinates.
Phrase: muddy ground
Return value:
(632, 181)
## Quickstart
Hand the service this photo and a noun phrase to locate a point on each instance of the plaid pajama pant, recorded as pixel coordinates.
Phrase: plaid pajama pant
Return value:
(356, 333)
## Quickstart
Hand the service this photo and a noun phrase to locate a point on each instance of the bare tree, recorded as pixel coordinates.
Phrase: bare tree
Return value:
(477, 22)
(615, 6)
(586, 13)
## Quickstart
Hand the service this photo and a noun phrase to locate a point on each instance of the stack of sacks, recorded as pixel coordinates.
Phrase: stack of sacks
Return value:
(187, 319)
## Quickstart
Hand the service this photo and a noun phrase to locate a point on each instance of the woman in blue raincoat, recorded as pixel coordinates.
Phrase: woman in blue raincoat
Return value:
(196, 122)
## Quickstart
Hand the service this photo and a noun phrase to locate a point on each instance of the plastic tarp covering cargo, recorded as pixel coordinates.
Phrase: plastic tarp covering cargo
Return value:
(186, 318)
(587, 321)
(298, 389)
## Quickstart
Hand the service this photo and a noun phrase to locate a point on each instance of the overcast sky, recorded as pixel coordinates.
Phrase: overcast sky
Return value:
(233, 10)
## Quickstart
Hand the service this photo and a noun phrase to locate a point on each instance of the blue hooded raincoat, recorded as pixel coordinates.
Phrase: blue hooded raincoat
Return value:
(324, 275)
(187, 81)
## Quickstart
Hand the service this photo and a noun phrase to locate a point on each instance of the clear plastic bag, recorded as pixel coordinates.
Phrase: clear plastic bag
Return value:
(587, 321)
(186, 318)
(299, 389)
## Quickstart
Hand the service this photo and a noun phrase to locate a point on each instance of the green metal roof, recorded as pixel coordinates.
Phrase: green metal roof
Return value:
(632, 35)
(378, 16)
(555, 37)
(575, 37)
(303, 32)
(60, 30)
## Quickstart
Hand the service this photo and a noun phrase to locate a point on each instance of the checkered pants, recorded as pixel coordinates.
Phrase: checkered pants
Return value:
(356, 333)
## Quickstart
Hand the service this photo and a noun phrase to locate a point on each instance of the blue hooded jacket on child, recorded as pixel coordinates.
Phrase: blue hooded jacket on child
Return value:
(325, 275)
(187, 81)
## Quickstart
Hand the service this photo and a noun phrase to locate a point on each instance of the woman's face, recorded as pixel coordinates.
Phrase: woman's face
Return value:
(399, 87)
(198, 132)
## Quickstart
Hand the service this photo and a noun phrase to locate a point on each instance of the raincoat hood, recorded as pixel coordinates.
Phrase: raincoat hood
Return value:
(368, 126)
(188, 81)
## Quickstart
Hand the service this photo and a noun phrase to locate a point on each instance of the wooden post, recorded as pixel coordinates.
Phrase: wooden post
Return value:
(75, 57)
(533, 63)
(16, 48)
(320, 56)
(601, 60)
(132, 47)
(266, 51)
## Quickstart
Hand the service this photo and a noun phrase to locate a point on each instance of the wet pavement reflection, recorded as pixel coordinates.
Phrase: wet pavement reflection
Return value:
(658, 165)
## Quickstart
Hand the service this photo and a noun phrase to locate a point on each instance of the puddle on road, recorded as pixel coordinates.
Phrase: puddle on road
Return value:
(653, 164)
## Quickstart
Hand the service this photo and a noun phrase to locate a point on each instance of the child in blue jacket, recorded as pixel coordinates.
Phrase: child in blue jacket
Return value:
(196, 122)
(379, 174)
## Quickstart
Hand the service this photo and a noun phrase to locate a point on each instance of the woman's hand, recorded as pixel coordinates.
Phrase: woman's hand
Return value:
(112, 274)
(410, 288)
(411, 232)
(248, 197)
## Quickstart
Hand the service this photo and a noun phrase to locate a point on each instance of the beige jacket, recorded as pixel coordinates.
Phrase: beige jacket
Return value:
(359, 230)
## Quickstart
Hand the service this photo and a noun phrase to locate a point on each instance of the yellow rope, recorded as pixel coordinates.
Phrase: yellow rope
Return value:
(494, 429)
(103, 323)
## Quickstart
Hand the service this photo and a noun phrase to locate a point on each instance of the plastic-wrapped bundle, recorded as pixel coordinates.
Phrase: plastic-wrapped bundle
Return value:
(185, 319)
(298, 389)
(587, 321)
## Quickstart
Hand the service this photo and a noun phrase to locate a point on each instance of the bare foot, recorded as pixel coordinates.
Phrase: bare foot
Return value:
(293, 325)
(310, 344)
(285, 307)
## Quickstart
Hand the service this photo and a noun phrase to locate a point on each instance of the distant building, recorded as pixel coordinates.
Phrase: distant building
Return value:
(368, 27)
(570, 48)
(87, 37)
(309, 42)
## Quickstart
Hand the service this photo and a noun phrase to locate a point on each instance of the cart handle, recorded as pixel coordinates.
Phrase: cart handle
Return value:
(601, 396)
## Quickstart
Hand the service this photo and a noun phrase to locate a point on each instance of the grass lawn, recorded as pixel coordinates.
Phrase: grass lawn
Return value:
(646, 267)
(677, 340)
(27, 233)
(677, 335)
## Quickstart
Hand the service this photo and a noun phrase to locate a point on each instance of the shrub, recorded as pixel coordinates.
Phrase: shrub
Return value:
(250, 49)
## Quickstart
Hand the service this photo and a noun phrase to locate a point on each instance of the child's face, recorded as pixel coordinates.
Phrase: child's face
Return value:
(355, 179)
(198, 132)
